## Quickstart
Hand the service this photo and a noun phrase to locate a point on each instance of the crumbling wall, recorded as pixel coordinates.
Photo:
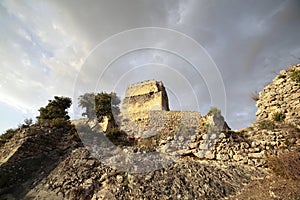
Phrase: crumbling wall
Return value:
(143, 97)
(161, 121)
(282, 96)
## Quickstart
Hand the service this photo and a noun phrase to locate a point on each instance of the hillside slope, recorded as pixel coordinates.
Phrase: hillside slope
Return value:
(43, 162)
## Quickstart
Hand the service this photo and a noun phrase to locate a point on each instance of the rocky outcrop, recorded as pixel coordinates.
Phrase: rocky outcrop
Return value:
(211, 161)
(31, 155)
(280, 100)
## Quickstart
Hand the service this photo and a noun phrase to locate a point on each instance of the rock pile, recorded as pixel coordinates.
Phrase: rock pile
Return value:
(81, 177)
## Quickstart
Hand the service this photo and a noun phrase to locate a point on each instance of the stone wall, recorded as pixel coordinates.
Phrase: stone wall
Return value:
(142, 97)
(160, 120)
(209, 137)
(281, 96)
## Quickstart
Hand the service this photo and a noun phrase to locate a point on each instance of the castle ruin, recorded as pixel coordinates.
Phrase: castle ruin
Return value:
(145, 111)
(143, 97)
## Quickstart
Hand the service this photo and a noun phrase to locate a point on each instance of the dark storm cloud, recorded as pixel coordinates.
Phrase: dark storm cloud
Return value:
(47, 43)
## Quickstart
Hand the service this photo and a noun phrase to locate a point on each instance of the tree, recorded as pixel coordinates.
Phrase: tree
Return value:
(100, 105)
(214, 111)
(106, 105)
(56, 109)
(28, 121)
(87, 102)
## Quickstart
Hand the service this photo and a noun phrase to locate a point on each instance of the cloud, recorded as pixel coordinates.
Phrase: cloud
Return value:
(44, 45)
(39, 56)
(249, 42)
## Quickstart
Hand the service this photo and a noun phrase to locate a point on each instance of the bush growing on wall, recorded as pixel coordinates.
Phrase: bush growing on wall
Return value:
(214, 111)
(266, 124)
(278, 116)
(296, 76)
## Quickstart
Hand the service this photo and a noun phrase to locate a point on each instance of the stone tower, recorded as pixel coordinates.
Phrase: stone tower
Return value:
(142, 97)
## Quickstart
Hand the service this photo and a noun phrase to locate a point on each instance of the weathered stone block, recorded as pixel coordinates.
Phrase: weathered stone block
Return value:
(142, 97)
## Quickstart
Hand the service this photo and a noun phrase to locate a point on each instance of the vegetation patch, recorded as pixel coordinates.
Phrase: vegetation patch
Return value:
(266, 124)
(278, 116)
(148, 144)
(285, 165)
(55, 114)
(5, 137)
(55, 109)
(214, 111)
(118, 137)
(296, 76)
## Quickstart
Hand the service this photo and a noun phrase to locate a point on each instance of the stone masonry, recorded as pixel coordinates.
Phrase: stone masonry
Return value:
(281, 96)
(142, 97)
(145, 111)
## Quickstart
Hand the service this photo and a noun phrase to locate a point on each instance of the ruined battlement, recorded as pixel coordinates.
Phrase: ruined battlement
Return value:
(145, 108)
(145, 87)
(142, 97)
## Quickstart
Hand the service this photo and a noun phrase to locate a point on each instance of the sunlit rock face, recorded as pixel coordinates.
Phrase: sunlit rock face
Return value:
(142, 97)
(280, 100)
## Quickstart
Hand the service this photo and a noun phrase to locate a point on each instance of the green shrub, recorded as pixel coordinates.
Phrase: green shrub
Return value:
(214, 111)
(296, 76)
(55, 109)
(113, 133)
(126, 181)
(278, 116)
(106, 105)
(9, 133)
(266, 124)
(5, 137)
(55, 114)
(118, 137)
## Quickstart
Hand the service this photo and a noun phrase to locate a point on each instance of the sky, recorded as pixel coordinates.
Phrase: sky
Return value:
(206, 52)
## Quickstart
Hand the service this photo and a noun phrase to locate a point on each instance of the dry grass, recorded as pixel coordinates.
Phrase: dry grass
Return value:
(266, 124)
(148, 144)
(254, 96)
(286, 165)
(270, 188)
